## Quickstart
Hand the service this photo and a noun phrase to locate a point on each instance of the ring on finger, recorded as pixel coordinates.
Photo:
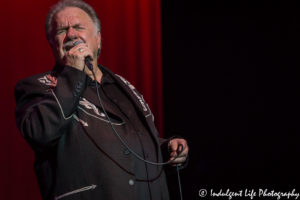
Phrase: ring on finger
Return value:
(80, 50)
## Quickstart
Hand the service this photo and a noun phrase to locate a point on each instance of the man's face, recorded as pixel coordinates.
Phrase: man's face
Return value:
(70, 25)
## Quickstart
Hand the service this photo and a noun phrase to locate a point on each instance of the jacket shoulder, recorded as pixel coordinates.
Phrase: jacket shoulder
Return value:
(34, 83)
(34, 79)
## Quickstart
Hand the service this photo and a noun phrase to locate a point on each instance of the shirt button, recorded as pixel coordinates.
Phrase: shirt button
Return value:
(131, 182)
(126, 152)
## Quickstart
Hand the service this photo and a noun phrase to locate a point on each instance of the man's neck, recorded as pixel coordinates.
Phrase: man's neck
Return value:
(98, 74)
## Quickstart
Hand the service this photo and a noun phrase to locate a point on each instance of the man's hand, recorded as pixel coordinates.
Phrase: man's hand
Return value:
(75, 57)
(178, 146)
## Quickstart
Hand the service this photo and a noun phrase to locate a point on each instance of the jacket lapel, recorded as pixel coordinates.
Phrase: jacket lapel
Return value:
(138, 101)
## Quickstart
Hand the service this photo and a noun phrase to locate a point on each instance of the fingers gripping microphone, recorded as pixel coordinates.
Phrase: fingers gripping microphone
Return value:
(87, 59)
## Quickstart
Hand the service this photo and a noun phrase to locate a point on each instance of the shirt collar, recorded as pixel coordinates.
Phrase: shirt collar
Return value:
(106, 79)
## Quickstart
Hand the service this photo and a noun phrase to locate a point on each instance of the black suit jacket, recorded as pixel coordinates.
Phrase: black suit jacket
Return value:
(58, 114)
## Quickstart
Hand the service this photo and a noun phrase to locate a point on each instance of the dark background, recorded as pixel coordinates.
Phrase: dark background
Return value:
(231, 88)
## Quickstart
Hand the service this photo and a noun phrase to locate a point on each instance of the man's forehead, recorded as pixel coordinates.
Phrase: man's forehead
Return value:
(71, 15)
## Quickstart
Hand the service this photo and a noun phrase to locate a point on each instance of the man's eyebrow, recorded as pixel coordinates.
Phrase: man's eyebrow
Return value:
(67, 27)
(77, 25)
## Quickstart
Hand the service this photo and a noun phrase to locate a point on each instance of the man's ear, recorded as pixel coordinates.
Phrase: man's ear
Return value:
(99, 40)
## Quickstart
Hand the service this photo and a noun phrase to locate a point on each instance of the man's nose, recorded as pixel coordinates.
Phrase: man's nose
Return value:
(71, 33)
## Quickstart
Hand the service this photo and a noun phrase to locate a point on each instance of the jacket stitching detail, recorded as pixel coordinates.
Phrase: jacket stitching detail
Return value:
(90, 106)
(61, 110)
(99, 117)
(132, 88)
(91, 187)
(81, 121)
(48, 80)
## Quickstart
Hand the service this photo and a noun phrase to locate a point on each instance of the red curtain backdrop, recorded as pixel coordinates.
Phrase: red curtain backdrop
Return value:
(131, 47)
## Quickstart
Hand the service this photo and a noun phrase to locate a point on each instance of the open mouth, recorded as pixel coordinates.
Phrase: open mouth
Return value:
(68, 45)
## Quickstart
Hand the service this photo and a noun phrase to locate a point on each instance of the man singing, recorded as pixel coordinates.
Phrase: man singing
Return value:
(92, 132)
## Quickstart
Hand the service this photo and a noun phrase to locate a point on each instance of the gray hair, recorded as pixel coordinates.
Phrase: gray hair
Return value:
(70, 3)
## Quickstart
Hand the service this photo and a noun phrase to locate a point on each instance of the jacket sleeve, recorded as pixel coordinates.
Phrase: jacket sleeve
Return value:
(45, 105)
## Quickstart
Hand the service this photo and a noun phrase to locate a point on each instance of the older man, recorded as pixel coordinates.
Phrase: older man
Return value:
(91, 130)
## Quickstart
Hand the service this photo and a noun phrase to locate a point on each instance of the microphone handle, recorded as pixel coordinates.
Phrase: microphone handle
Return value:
(87, 61)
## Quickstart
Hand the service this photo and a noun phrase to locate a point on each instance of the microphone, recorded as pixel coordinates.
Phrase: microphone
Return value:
(87, 59)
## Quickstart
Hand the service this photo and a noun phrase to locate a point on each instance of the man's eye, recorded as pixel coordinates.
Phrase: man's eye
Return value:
(79, 28)
(60, 32)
